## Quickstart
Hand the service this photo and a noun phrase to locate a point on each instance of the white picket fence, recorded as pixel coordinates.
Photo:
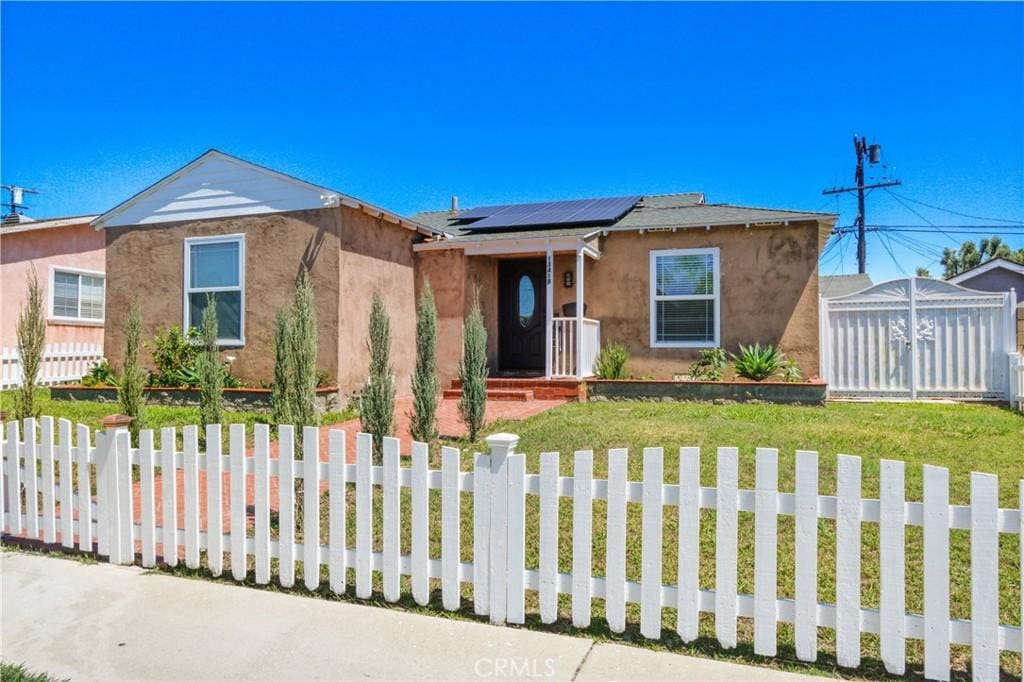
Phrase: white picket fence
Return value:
(499, 485)
(62, 362)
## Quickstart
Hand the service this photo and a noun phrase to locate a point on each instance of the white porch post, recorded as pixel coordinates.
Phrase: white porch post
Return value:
(549, 313)
(579, 312)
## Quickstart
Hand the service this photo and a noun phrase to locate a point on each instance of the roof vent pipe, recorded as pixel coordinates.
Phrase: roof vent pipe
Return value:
(455, 205)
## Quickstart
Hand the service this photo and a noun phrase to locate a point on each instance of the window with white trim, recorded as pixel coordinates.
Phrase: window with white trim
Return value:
(685, 297)
(76, 296)
(215, 267)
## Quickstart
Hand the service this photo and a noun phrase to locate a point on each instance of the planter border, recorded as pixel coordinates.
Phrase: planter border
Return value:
(781, 392)
(256, 399)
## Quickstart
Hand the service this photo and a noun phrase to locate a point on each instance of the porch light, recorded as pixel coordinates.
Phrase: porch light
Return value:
(567, 279)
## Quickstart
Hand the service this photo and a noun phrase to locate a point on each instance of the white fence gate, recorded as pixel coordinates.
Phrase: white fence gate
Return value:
(62, 362)
(48, 490)
(918, 338)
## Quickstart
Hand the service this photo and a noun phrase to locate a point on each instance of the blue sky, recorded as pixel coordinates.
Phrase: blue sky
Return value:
(405, 105)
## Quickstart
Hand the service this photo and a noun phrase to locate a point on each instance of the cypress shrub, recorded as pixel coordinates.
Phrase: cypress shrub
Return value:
(377, 400)
(130, 395)
(31, 332)
(281, 398)
(425, 384)
(209, 367)
(473, 370)
(302, 350)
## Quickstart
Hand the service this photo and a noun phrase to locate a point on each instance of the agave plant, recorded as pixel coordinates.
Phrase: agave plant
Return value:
(758, 362)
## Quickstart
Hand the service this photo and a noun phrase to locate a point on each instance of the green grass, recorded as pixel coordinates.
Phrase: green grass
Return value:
(16, 672)
(964, 438)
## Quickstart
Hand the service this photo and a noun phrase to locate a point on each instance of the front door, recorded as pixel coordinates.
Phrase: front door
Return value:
(521, 314)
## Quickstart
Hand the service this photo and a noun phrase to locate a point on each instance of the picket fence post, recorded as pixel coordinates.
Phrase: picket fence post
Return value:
(502, 445)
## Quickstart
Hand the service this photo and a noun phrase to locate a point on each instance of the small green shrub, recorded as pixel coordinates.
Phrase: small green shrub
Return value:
(281, 399)
(758, 362)
(303, 349)
(324, 379)
(426, 387)
(791, 372)
(100, 374)
(174, 357)
(377, 399)
(31, 334)
(211, 370)
(130, 393)
(473, 369)
(611, 362)
(710, 366)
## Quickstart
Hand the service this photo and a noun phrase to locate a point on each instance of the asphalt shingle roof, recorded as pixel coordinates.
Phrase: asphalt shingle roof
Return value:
(833, 286)
(663, 210)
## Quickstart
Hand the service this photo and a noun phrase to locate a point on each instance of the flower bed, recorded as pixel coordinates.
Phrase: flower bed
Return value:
(793, 393)
(240, 399)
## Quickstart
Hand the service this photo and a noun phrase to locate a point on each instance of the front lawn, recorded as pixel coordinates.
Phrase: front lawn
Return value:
(964, 438)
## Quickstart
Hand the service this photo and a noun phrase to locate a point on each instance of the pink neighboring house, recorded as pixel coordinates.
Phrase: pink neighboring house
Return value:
(69, 259)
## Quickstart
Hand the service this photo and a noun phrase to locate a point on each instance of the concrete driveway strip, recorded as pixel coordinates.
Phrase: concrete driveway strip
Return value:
(102, 622)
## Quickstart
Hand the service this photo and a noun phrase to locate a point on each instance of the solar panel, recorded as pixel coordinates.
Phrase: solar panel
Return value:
(577, 211)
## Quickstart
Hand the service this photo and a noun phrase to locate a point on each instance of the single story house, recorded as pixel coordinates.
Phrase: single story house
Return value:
(69, 261)
(224, 226)
(997, 274)
(666, 275)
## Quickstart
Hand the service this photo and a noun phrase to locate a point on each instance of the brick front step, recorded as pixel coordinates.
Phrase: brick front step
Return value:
(495, 394)
(542, 389)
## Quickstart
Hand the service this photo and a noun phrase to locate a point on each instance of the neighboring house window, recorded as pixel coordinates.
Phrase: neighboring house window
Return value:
(76, 295)
(216, 266)
(685, 298)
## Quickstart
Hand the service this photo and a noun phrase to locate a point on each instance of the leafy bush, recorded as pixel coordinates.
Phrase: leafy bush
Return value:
(710, 366)
(303, 349)
(281, 393)
(611, 362)
(324, 379)
(757, 362)
(791, 372)
(100, 374)
(174, 357)
(130, 394)
(210, 369)
(377, 399)
(473, 370)
(31, 334)
(425, 384)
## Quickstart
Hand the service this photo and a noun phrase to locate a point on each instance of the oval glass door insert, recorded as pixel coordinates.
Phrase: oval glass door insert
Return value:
(527, 300)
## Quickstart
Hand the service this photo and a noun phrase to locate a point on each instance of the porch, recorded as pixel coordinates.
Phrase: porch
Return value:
(545, 324)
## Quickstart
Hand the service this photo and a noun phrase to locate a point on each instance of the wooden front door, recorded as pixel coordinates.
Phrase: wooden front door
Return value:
(521, 314)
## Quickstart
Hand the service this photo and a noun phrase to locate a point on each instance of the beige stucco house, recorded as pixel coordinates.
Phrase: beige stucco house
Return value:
(243, 232)
(665, 275)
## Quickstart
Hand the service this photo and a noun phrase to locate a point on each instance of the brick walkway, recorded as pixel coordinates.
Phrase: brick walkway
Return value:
(449, 425)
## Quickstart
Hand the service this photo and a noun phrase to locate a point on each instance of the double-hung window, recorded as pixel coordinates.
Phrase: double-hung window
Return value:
(76, 295)
(685, 295)
(215, 266)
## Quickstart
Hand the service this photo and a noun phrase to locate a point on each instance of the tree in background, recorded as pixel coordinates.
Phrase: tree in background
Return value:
(31, 332)
(377, 400)
(473, 369)
(303, 346)
(130, 394)
(211, 371)
(923, 272)
(970, 255)
(281, 398)
(425, 384)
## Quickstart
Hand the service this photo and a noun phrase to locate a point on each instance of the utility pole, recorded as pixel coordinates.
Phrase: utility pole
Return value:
(874, 154)
(16, 205)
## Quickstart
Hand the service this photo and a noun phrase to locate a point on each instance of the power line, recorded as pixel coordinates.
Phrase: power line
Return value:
(887, 244)
(911, 209)
(947, 210)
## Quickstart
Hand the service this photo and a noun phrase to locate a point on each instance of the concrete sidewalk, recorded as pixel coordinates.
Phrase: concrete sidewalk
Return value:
(97, 621)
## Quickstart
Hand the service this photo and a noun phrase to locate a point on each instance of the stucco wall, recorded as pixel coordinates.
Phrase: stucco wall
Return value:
(146, 263)
(769, 284)
(446, 273)
(74, 246)
(374, 254)
(996, 279)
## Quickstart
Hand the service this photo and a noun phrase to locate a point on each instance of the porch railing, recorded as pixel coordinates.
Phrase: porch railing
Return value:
(564, 362)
